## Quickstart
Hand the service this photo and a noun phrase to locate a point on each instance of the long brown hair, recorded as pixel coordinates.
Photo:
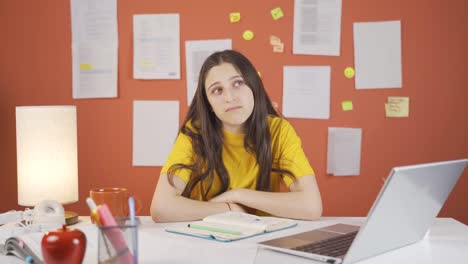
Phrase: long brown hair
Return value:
(206, 132)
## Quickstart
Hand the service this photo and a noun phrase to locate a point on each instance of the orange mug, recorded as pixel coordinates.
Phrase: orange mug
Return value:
(115, 198)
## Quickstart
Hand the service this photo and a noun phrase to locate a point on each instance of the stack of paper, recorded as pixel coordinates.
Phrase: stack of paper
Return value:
(344, 151)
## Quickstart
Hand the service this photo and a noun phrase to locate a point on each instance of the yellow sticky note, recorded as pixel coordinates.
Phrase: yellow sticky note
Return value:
(349, 72)
(392, 110)
(248, 35)
(86, 67)
(277, 13)
(274, 40)
(278, 48)
(398, 99)
(347, 105)
(234, 17)
(397, 106)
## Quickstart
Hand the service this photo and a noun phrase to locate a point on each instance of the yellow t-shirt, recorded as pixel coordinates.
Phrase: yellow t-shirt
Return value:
(241, 166)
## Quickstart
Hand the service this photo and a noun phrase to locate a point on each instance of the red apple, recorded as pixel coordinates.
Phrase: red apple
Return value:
(64, 245)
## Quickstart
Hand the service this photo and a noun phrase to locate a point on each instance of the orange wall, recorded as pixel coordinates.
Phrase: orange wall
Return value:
(35, 69)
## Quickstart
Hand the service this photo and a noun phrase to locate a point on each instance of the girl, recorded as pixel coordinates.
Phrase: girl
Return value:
(232, 151)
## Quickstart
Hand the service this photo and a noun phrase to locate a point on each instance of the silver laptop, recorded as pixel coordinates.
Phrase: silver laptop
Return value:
(406, 206)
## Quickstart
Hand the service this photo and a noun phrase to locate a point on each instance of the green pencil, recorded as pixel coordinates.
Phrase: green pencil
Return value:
(214, 229)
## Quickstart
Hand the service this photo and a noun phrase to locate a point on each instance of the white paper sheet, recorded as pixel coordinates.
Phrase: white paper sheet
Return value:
(344, 151)
(94, 48)
(94, 21)
(377, 55)
(306, 91)
(156, 47)
(317, 27)
(155, 127)
(196, 51)
(94, 71)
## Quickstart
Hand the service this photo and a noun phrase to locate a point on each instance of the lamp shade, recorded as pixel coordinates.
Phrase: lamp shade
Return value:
(46, 149)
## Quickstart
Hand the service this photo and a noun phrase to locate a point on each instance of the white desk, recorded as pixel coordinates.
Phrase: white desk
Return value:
(446, 242)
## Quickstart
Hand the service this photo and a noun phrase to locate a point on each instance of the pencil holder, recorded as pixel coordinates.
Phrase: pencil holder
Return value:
(118, 244)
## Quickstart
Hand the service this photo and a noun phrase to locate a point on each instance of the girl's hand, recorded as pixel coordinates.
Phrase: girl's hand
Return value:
(237, 208)
(227, 197)
(231, 197)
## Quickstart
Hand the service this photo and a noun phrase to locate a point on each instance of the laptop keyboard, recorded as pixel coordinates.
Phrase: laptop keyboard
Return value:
(333, 247)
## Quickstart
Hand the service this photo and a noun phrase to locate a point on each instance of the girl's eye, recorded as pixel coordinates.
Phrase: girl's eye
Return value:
(238, 83)
(216, 90)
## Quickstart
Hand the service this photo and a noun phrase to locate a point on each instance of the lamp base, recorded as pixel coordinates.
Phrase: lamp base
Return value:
(71, 218)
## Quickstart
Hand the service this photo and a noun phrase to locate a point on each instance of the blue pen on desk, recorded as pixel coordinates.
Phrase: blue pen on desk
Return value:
(131, 206)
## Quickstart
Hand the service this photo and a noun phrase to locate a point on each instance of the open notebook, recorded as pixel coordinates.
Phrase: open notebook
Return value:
(231, 226)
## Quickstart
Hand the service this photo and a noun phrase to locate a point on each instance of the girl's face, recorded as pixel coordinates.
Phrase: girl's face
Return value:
(230, 98)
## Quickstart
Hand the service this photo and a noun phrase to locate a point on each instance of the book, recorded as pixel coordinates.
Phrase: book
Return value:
(23, 246)
(28, 244)
(231, 226)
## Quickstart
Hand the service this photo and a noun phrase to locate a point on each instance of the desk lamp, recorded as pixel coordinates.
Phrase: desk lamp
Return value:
(47, 162)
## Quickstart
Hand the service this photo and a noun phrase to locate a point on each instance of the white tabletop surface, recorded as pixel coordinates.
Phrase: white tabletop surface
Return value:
(446, 242)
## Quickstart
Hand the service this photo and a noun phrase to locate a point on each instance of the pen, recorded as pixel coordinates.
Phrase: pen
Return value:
(214, 229)
(131, 206)
(92, 206)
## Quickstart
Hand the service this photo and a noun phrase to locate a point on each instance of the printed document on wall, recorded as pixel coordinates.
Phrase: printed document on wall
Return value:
(317, 27)
(94, 48)
(306, 91)
(156, 47)
(196, 51)
(155, 127)
(377, 55)
(344, 151)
